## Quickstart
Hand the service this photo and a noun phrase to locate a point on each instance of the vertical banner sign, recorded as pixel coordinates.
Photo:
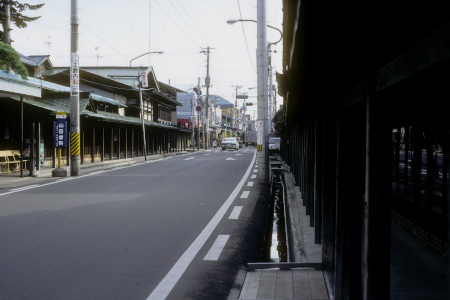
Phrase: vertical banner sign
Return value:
(74, 75)
(61, 133)
(144, 79)
(260, 137)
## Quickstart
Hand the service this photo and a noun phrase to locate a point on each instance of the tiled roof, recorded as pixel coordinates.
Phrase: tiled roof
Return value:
(106, 100)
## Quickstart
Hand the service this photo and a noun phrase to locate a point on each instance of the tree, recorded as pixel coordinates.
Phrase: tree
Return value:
(11, 12)
(279, 121)
(10, 59)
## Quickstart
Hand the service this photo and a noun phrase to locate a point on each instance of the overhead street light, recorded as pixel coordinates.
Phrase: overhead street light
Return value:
(153, 52)
(231, 22)
(142, 102)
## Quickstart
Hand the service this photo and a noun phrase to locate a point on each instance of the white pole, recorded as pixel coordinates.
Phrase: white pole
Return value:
(74, 94)
(262, 63)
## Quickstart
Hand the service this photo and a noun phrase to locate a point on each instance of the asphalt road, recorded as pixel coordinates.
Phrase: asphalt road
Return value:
(175, 228)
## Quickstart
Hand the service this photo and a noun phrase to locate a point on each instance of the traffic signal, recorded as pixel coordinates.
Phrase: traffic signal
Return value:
(248, 104)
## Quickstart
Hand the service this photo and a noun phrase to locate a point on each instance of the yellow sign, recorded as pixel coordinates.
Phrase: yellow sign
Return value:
(61, 115)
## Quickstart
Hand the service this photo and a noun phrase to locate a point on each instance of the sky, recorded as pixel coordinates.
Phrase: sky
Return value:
(112, 33)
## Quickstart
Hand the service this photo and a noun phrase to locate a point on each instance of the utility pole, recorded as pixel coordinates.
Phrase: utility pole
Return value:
(262, 63)
(198, 117)
(270, 97)
(207, 83)
(236, 106)
(193, 105)
(7, 22)
(74, 94)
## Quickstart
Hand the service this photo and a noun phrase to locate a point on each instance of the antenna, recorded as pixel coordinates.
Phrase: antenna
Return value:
(96, 48)
(48, 43)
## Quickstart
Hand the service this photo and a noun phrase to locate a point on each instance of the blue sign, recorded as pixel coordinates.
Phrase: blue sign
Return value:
(61, 133)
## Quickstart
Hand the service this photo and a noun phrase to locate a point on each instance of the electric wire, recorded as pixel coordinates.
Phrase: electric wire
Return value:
(245, 37)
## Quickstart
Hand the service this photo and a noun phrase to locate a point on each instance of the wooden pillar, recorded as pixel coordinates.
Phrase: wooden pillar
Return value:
(126, 142)
(82, 148)
(377, 208)
(112, 144)
(318, 150)
(93, 145)
(32, 149)
(38, 147)
(118, 143)
(103, 144)
(132, 142)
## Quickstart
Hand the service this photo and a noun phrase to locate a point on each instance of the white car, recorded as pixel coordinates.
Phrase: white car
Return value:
(230, 143)
(274, 144)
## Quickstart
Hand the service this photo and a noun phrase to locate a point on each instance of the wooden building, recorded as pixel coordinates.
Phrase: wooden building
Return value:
(366, 135)
(110, 115)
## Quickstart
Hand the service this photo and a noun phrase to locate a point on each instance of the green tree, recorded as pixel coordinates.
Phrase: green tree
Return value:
(14, 9)
(279, 121)
(10, 59)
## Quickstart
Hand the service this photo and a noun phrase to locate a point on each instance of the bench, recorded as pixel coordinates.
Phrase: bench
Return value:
(10, 160)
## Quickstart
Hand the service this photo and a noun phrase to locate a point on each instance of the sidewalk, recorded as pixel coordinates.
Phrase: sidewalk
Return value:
(13, 180)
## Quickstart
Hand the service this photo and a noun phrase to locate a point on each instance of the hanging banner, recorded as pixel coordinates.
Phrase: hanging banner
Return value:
(144, 79)
(74, 75)
(260, 137)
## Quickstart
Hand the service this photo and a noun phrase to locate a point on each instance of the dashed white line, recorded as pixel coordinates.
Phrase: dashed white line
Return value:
(255, 170)
(253, 176)
(235, 213)
(217, 247)
(166, 285)
(189, 158)
(250, 183)
(245, 194)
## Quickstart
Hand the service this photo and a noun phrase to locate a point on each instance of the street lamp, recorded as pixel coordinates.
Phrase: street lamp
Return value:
(142, 103)
(262, 71)
(231, 22)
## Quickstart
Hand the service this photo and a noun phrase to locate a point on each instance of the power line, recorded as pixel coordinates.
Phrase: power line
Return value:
(245, 37)
(175, 23)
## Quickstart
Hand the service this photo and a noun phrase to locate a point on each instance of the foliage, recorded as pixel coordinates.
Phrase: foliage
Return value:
(16, 16)
(279, 121)
(9, 58)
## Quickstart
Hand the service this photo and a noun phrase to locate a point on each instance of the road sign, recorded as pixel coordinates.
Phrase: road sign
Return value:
(198, 108)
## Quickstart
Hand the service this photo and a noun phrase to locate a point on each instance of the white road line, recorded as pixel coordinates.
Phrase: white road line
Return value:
(253, 176)
(250, 183)
(78, 177)
(168, 282)
(217, 247)
(255, 170)
(24, 188)
(207, 153)
(235, 213)
(190, 158)
(245, 194)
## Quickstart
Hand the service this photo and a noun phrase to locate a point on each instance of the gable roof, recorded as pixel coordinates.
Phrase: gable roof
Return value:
(36, 60)
(119, 80)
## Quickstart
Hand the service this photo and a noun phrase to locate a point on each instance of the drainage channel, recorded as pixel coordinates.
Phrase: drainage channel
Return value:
(275, 246)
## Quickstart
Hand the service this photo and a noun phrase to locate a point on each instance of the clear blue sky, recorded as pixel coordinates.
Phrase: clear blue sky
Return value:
(114, 32)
